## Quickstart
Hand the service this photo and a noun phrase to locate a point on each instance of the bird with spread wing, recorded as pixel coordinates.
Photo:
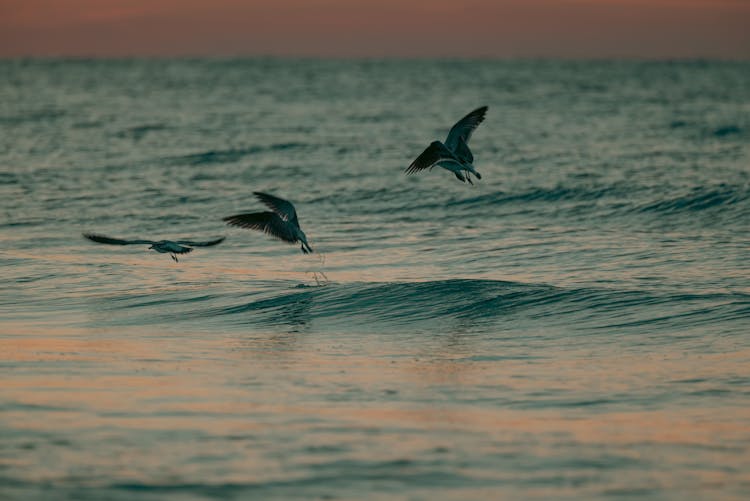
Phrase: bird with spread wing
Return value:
(453, 155)
(280, 222)
(173, 247)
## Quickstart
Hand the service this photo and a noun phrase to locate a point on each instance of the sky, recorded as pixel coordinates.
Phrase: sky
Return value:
(651, 29)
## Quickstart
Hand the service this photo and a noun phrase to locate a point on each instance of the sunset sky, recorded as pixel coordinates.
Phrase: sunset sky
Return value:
(377, 28)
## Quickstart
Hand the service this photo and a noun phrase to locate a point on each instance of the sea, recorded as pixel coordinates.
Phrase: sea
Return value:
(574, 325)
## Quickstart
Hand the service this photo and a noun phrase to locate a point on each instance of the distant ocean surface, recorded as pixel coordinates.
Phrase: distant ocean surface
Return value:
(574, 325)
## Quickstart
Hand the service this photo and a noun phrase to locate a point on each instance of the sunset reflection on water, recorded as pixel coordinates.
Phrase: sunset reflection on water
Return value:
(236, 401)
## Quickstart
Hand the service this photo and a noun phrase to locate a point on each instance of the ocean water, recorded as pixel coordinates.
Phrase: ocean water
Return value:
(575, 325)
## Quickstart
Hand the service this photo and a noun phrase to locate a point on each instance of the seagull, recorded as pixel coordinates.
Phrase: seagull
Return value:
(281, 222)
(162, 246)
(455, 154)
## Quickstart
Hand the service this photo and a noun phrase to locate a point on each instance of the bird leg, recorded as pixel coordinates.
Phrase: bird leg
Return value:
(175, 258)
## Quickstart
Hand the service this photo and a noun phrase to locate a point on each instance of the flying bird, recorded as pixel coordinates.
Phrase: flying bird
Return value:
(280, 222)
(453, 155)
(173, 247)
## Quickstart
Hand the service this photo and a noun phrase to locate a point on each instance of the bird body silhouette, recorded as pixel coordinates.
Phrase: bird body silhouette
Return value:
(280, 222)
(453, 155)
(172, 247)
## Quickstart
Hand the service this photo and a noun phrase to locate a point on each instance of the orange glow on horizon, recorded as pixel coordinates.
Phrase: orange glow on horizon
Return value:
(475, 28)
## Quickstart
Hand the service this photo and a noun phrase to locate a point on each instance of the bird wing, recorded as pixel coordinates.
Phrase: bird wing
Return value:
(208, 243)
(282, 207)
(267, 222)
(433, 154)
(464, 127)
(115, 241)
(463, 153)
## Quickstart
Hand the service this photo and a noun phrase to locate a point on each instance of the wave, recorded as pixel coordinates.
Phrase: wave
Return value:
(726, 201)
(7, 178)
(231, 155)
(43, 115)
(554, 194)
(317, 483)
(725, 131)
(728, 130)
(139, 132)
(431, 306)
(701, 199)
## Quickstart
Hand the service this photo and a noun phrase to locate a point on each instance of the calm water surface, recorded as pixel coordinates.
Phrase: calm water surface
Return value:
(575, 325)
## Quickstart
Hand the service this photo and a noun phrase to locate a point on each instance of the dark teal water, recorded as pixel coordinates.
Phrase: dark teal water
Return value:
(573, 326)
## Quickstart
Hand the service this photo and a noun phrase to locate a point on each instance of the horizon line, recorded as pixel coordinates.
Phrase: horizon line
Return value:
(311, 57)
